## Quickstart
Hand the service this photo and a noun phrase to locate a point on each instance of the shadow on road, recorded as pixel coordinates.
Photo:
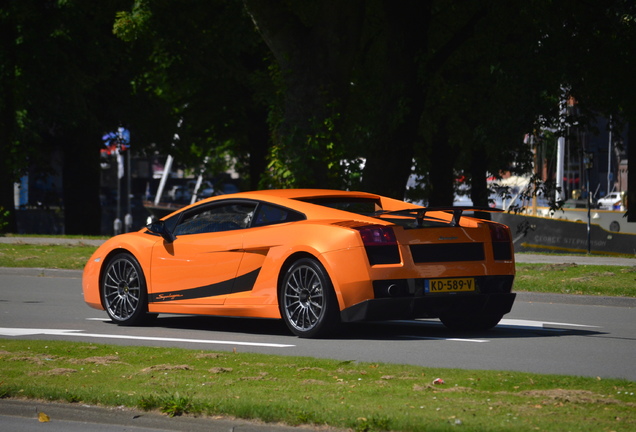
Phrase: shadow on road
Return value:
(386, 330)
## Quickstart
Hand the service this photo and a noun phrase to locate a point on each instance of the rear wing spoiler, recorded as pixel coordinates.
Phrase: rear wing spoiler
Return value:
(457, 212)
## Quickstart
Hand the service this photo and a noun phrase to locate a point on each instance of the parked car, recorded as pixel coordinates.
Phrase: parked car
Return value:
(314, 258)
(611, 201)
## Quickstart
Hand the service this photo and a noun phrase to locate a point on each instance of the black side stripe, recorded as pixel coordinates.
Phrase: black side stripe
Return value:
(239, 284)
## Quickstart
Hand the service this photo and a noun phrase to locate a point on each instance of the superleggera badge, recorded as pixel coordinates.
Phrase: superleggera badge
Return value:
(168, 296)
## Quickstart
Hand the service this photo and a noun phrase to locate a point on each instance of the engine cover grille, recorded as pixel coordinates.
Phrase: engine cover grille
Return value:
(447, 252)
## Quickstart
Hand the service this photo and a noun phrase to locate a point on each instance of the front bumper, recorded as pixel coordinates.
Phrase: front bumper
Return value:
(429, 306)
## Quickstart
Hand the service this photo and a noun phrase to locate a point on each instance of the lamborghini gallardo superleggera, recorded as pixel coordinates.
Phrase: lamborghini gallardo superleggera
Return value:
(314, 258)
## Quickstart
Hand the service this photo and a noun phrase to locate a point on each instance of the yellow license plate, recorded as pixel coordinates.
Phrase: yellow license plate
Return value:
(449, 285)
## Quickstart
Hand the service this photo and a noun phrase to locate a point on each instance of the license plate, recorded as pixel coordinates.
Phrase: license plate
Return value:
(449, 285)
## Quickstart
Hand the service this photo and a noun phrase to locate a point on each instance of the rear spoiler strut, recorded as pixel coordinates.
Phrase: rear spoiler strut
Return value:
(456, 210)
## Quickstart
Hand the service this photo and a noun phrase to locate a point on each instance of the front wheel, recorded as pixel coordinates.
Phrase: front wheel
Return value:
(307, 300)
(123, 289)
(471, 322)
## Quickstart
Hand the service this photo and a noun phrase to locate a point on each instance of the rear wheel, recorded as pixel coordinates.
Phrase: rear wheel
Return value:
(471, 322)
(123, 290)
(307, 300)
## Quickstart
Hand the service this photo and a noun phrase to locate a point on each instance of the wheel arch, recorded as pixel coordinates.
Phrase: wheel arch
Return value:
(105, 260)
(291, 259)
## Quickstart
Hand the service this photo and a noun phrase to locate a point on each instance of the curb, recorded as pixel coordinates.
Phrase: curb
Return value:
(575, 299)
(91, 417)
(41, 272)
(51, 241)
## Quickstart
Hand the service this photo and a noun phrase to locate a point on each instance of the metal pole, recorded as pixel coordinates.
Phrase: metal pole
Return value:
(588, 159)
(166, 172)
(609, 158)
(117, 222)
(560, 196)
(195, 193)
(128, 217)
(589, 219)
(560, 163)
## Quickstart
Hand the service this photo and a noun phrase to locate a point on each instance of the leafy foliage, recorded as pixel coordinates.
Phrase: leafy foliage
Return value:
(4, 216)
(355, 94)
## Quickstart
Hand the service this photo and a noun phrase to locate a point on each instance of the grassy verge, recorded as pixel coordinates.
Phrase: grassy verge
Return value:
(360, 396)
(576, 279)
(72, 257)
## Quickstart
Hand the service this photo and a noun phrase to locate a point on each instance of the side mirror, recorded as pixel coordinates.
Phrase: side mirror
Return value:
(158, 227)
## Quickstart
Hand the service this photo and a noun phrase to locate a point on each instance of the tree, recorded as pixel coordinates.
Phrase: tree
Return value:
(66, 83)
(334, 94)
(454, 84)
(204, 60)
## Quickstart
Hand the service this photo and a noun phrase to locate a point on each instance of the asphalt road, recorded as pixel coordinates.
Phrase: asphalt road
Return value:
(572, 335)
(576, 335)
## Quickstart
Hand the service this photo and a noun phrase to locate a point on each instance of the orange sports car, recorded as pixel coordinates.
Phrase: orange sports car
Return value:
(314, 258)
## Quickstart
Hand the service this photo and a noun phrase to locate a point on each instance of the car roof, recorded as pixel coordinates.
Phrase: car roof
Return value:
(294, 198)
(305, 193)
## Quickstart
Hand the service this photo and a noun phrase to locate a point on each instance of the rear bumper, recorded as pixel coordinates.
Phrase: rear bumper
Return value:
(429, 306)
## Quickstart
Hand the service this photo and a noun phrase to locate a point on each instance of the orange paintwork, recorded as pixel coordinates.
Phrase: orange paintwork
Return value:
(257, 257)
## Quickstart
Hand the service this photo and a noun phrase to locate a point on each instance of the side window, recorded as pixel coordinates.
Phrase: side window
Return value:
(269, 214)
(216, 218)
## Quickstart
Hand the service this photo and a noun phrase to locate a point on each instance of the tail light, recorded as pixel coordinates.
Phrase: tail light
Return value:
(377, 235)
(501, 242)
(380, 244)
(499, 233)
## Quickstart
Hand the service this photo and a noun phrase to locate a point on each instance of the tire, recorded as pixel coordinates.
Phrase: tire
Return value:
(307, 300)
(123, 291)
(470, 322)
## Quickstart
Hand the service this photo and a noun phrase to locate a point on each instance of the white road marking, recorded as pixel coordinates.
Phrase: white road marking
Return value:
(517, 323)
(541, 324)
(509, 323)
(4, 331)
(446, 339)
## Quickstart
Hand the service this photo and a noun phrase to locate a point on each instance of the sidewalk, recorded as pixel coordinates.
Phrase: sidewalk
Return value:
(22, 415)
(50, 241)
(576, 259)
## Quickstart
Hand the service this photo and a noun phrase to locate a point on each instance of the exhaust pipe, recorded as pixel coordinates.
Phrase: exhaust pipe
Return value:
(394, 290)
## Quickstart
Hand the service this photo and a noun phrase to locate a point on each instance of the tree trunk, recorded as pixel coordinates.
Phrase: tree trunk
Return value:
(82, 211)
(258, 144)
(7, 124)
(400, 98)
(631, 174)
(313, 45)
(479, 187)
(441, 177)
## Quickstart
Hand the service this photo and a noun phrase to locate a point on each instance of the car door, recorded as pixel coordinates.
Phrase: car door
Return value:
(200, 266)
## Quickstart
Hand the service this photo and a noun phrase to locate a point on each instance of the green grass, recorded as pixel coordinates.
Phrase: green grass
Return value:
(594, 280)
(295, 390)
(72, 257)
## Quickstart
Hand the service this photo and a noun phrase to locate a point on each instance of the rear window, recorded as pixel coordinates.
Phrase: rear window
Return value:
(269, 214)
(362, 206)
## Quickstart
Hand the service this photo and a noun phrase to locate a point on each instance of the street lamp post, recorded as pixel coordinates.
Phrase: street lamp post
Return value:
(116, 143)
(609, 158)
(588, 159)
